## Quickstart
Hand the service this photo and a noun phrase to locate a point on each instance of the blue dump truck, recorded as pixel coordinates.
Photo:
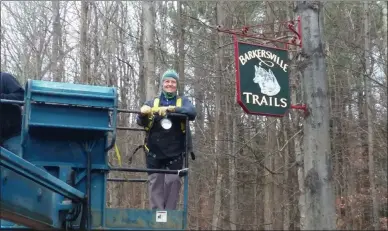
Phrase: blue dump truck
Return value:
(55, 175)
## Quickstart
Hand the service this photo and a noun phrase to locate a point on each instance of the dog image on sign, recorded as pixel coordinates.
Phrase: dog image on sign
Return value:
(267, 81)
(161, 216)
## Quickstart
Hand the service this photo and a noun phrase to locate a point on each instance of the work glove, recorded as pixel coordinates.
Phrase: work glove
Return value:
(145, 110)
(171, 108)
(162, 111)
(155, 110)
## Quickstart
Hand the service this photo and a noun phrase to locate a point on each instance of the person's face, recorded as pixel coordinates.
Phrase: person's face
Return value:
(169, 85)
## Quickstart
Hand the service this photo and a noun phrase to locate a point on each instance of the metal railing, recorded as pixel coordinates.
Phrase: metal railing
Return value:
(181, 172)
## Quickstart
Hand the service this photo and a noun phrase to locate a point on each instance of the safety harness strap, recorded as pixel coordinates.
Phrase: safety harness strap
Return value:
(155, 107)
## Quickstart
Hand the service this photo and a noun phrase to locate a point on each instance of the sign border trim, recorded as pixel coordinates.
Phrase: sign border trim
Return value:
(238, 86)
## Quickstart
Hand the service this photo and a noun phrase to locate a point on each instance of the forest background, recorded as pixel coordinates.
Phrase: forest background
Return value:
(249, 169)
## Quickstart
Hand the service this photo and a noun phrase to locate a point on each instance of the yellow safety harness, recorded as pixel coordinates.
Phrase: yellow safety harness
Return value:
(118, 154)
(155, 107)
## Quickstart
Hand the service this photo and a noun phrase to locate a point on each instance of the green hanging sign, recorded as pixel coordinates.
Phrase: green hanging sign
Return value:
(262, 79)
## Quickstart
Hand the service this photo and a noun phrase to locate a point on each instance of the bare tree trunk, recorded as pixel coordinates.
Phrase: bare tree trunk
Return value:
(149, 49)
(272, 189)
(84, 42)
(385, 34)
(269, 207)
(111, 36)
(351, 170)
(55, 42)
(302, 190)
(269, 178)
(232, 170)
(163, 12)
(181, 49)
(148, 15)
(257, 202)
(289, 151)
(286, 188)
(96, 48)
(199, 141)
(318, 194)
(296, 176)
(41, 52)
(217, 124)
(278, 200)
(217, 197)
(140, 50)
(369, 107)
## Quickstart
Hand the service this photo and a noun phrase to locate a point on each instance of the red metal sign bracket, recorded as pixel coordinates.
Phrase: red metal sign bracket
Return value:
(288, 26)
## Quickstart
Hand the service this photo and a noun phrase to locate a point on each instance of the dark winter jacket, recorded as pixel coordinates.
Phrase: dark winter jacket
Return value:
(168, 143)
(10, 114)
